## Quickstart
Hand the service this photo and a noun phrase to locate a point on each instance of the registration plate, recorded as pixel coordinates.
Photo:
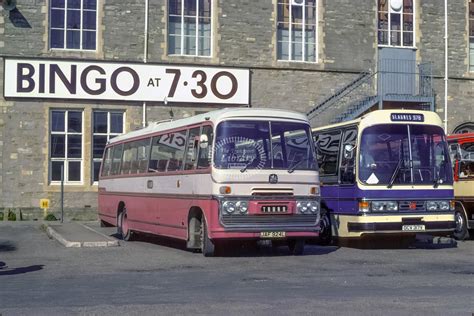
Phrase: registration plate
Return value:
(272, 234)
(413, 228)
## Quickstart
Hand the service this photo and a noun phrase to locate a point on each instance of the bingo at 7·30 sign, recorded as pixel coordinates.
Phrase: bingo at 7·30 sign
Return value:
(29, 78)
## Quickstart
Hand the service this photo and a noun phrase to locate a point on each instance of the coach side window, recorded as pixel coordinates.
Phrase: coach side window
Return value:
(328, 145)
(107, 162)
(348, 156)
(192, 149)
(116, 160)
(167, 153)
(205, 147)
(129, 155)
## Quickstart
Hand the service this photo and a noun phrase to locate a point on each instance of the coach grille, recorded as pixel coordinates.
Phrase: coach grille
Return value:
(407, 206)
(268, 221)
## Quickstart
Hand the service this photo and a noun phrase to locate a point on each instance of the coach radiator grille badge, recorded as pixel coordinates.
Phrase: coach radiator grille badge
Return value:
(273, 178)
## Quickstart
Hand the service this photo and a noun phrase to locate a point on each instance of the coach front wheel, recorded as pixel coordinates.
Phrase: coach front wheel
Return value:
(207, 246)
(460, 232)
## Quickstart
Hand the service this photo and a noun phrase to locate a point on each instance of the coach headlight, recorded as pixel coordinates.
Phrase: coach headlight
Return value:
(392, 206)
(228, 207)
(431, 205)
(443, 205)
(378, 206)
(241, 207)
(307, 207)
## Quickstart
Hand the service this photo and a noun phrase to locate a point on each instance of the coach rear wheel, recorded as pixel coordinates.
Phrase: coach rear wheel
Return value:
(126, 233)
(207, 246)
(296, 246)
(461, 232)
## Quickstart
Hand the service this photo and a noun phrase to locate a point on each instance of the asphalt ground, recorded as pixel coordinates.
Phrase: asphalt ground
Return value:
(155, 276)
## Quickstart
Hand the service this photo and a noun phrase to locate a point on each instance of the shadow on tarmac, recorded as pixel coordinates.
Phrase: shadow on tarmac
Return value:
(237, 248)
(7, 246)
(21, 270)
(398, 242)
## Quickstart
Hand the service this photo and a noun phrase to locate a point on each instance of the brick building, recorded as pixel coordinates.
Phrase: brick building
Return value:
(77, 72)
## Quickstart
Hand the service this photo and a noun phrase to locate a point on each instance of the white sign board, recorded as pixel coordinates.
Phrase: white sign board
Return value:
(29, 78)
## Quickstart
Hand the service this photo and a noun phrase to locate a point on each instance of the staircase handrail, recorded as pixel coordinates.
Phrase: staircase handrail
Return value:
(340, 93)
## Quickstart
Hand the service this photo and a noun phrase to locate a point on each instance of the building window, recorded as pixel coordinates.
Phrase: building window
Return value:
(106, 125)
(297, 30)
(73, 24)
(396, 20)
(66, 145)
(189, 27)
(471, 35)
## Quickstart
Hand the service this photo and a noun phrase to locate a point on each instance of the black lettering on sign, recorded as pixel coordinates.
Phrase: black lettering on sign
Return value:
(41, 81)
(180, 140)
(69, 84)
(136, 81)
(232, 91)
(21, 77)
(174, 84)
(100, 81)
(200, 84)
(154, 82)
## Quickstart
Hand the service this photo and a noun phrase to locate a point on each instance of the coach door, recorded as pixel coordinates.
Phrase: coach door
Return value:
(347, 187)
(328, 147)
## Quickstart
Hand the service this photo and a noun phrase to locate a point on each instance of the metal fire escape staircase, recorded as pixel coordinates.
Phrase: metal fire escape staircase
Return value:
(396, 81)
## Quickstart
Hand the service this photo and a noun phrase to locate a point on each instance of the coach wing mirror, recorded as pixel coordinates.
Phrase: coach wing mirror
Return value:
(203, 141)
(349, 151)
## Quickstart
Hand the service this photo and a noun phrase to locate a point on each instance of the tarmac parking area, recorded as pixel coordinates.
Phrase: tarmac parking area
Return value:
(40, 276)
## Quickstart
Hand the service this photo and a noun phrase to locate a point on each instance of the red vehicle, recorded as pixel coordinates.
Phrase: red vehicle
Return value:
(461, 147)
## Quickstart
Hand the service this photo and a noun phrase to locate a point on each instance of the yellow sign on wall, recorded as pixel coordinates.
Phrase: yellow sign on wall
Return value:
(44, 203)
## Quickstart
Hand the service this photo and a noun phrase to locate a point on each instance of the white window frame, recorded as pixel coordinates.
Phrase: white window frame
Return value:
(109, 134)
(196, 53)
(389, 30)
(290, 28)
(470, 23)
(66, 160)
(65, 29)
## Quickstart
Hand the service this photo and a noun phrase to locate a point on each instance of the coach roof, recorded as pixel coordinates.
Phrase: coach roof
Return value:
(215, 117)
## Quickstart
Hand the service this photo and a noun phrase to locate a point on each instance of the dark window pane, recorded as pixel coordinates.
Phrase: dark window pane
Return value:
(190, 7)
(73, 19)
(74, 123)
(205, 8)
(174, 44)
(116, 122)
(57, 18)
(89, 20)
(383, 37)
(57, 146)
(56, 170)
(74, 146)
(408, 6)
(174, 25)
(395, 22)
(283, 13)
(74, 172)
(73, 39)
(57, 3)
(90, 4)
(100, 122)
(88, 40)
(408, 39)
(76, 4)
(189, 45)
(99, 145)
(57, 121)
(395, 38)
(57, 39)
(96, 171)
(174, 7)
